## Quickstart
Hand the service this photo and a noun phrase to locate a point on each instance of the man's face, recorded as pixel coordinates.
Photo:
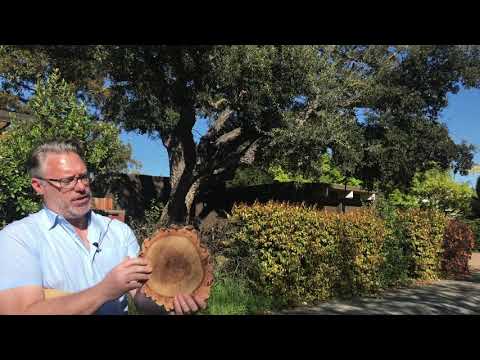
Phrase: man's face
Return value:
(70, 203)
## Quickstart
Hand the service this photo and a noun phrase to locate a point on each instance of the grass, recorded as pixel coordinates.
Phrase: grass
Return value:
(229, 296)
(132, 309)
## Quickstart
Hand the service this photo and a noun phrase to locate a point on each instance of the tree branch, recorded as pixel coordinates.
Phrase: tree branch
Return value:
(221, 120)
(216, 105)
(244, 152)
(229, 137)
(249, 155)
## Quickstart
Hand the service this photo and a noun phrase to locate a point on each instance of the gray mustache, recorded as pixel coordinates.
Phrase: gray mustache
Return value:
(88, 195)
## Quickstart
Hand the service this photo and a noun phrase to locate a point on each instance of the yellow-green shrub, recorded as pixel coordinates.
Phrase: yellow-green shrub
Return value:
(423, 232)
(294, 253)
(363, 234)
(297, 253)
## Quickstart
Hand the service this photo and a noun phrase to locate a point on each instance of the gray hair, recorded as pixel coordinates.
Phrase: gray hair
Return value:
(40, 154)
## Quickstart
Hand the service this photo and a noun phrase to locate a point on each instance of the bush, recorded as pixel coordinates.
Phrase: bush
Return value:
(421, 232)
(146, 226)
(326, 172)
(435, 189)
(403, 201)
(394, 271)
(298, 254)
(362, 239)
(474, 225)
(458, 245)
(292, 254)
(442, 192)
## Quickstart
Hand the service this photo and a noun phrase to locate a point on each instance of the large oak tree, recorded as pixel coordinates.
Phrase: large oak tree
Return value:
(282, 104)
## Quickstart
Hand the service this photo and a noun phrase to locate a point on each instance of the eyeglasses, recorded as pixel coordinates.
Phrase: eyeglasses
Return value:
(70, 182)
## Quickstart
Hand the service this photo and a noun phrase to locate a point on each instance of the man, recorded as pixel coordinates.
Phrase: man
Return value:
(66, 246)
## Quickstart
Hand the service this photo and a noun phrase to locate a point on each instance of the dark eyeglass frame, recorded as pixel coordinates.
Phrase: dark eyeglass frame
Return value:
(69, 183)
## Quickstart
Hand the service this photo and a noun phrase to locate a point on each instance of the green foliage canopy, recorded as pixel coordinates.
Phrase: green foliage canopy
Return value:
(435, 189)
(284, 105)
(57, 115)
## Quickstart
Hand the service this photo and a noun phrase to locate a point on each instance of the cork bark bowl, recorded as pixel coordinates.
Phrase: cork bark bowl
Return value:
(181, 265)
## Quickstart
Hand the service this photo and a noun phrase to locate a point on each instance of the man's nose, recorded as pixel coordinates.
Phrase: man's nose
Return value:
(80, 186)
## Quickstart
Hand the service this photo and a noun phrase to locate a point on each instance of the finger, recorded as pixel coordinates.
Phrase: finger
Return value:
(138, 277)
(200, 302)
(134, 285)
(128, 261)
(176, 305)
(137, 261)
(183, 304)
(191, 303)
(144, 269)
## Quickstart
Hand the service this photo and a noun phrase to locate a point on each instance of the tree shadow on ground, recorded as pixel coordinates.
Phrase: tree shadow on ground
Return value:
(445, 297)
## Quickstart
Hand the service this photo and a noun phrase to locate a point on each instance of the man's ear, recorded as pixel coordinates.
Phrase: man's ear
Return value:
(37, 186)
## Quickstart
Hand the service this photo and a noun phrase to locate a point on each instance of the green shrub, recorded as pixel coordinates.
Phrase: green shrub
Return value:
(299, 254)
(458, 245)
(422, 234)
(435, 189)
(475, 227)
(146, 226)
(326, 172)
(322, 262)
(413, 249)
(362, 239)
(274, 249)
(401, 200)
(440, 191)
(395, 270)
(248, 175)
(292, 254)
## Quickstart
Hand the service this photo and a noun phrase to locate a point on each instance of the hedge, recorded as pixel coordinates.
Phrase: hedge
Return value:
(422, 232)
(458, 243)
(295, 254)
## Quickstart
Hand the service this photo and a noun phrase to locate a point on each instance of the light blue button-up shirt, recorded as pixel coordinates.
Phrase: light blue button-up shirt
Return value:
(43, 249)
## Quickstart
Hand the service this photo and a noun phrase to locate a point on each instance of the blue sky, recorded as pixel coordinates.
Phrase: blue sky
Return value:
(461, 116)
(151, 152)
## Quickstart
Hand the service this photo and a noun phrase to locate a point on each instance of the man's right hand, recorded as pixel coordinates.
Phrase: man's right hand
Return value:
(128, 275)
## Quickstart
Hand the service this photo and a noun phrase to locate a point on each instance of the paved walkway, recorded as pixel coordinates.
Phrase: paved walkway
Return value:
(446, 297)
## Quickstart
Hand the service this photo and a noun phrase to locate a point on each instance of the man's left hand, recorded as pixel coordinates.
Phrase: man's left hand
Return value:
(187, 304)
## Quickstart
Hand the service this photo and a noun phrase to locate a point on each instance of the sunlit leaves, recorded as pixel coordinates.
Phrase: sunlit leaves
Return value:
(57, 115)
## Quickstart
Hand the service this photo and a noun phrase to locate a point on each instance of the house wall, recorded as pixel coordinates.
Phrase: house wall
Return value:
(134, 194)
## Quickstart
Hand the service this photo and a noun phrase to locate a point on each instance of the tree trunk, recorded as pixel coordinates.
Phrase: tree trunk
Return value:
(182, 156)
(190, 198)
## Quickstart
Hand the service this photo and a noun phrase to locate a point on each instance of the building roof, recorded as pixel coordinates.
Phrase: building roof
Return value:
(7, 116)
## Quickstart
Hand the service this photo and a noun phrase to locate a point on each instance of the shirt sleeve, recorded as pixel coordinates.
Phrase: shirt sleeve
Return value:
(133, 248)
(19, 263)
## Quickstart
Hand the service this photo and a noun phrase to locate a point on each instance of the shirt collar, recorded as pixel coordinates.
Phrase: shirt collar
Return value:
(53, 218)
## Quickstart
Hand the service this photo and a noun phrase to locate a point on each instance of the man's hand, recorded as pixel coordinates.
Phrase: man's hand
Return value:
(187, 304)
(128, 275)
